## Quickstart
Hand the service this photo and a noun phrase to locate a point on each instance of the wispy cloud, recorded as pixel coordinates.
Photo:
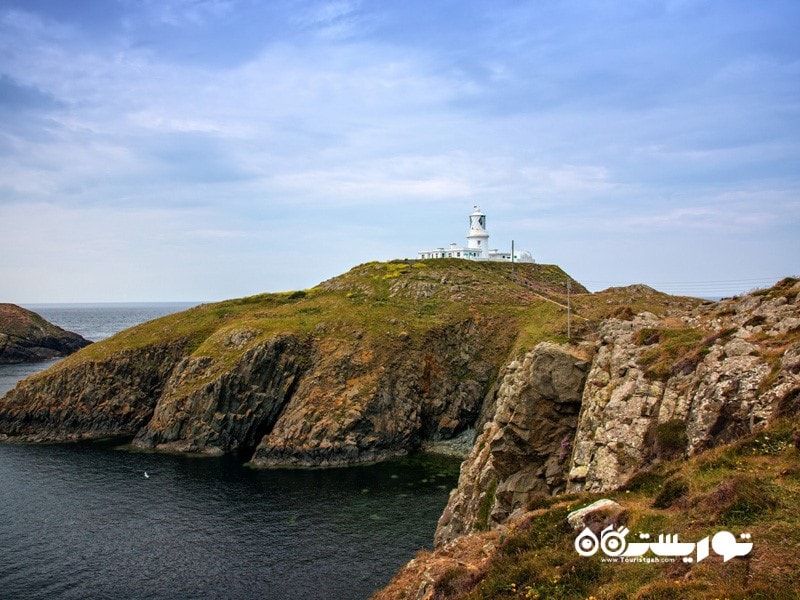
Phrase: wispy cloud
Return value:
(179, 13)
(570, 121)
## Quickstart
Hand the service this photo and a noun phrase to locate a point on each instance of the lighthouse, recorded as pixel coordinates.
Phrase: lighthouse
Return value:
(477, 237)
(477, 245)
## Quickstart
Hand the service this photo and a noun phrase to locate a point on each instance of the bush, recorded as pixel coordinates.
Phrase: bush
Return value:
(671, 438)
(674, 488)
(742, 499)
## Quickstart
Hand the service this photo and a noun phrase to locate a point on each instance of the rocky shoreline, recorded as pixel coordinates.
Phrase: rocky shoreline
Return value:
(425, 357)
(27, 337)
(652, 392)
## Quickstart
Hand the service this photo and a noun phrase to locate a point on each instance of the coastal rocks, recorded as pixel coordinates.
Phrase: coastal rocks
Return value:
(524, 450)
(92, 403)
(659, 389)
(26, 337)
(230, 410)
(358, 405)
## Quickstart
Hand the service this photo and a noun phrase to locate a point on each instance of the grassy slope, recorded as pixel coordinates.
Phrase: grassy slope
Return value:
(750, 486)
(381, 301)
(22, 323)
(375, 299)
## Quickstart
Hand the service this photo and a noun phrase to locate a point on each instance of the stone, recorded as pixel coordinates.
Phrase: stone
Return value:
(578, 519)
(728, 388)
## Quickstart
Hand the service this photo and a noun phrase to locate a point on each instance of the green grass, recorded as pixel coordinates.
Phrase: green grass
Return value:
(388, 307)
(672, 351)
(749, 486)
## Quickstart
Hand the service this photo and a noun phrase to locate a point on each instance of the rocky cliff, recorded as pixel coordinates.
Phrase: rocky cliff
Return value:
(656, 388)
(672, 387)
(365, 366)
(524, 450)
(583, 419)
(26, 337)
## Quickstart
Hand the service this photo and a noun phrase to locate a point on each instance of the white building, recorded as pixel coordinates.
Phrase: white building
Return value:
(477, 245)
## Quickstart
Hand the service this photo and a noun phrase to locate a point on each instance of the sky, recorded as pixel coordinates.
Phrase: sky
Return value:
(197, 150)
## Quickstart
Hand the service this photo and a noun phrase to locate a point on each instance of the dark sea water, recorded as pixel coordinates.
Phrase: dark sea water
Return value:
(82, 521)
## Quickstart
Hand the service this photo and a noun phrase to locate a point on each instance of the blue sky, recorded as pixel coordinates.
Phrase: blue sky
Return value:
(207, 149)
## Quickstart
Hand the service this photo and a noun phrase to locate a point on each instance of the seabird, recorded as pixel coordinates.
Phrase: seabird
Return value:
(146, 476)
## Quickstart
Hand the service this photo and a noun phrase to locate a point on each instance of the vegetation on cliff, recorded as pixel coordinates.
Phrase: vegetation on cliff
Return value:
(750, 486)
(361, 367)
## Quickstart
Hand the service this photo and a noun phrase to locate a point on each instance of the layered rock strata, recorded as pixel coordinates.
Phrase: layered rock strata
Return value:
(524, 451)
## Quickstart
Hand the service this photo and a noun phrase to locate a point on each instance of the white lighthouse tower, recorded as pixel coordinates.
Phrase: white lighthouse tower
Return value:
(477, 245)
(477, 237)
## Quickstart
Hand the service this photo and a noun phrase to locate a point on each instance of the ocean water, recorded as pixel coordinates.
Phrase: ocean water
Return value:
(82, 521)
(95, 322)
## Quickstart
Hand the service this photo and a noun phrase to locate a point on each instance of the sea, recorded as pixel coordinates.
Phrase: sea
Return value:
(82, 520)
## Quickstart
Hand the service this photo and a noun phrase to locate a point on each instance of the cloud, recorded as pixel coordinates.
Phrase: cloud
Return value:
(22, 98)
(570, 122)
(331, 20)
(180, 13)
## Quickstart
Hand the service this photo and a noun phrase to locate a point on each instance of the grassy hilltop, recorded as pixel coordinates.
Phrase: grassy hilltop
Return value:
(384, 300)
(360, 367)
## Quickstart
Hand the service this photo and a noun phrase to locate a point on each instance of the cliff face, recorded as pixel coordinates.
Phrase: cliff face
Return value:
(365, 366)
(524, 450)
(26, 337)
(359, 404)
(319, 402)
(229, 411)
(664, 388)
(111, 397)
(655, 389)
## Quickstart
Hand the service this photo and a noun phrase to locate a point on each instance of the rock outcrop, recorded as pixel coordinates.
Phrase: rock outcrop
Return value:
(524, 451)
(92, 401)
(357, 404)
(657, 388)
(660, 388)
(27, 337)
(231, 410)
